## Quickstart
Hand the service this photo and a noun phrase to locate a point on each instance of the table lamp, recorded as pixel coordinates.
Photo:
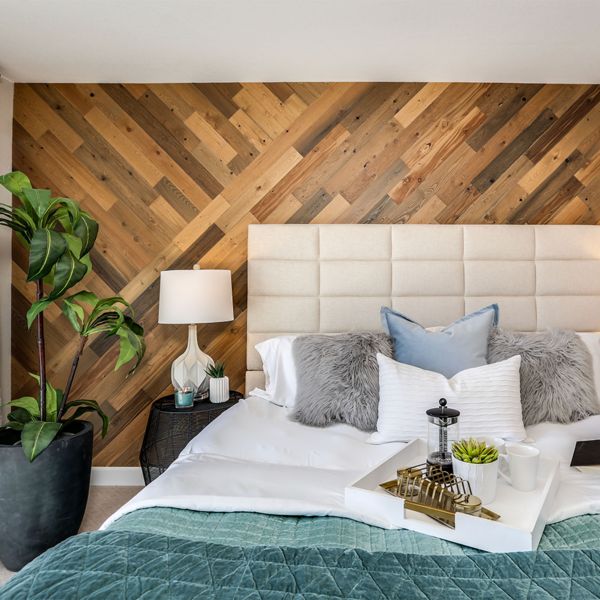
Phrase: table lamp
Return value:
(191, 297)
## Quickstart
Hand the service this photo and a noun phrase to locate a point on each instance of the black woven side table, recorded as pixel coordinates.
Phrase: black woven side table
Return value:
(169, 430)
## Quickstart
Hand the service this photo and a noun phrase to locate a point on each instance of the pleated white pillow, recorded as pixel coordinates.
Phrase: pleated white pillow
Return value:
(488, 398)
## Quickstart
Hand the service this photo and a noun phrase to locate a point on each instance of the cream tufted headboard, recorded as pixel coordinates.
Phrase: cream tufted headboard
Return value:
(334, 278)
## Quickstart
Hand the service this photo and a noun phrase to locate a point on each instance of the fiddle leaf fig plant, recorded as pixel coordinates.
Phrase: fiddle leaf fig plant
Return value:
(59, 235)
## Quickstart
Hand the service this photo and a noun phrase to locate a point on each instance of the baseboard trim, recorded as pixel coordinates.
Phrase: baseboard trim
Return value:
(117, 476)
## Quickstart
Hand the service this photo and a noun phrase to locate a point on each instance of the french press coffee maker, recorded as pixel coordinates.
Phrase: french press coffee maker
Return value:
(442, 431)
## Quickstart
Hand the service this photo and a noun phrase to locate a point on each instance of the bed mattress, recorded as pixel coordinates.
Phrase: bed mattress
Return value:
(255, 458)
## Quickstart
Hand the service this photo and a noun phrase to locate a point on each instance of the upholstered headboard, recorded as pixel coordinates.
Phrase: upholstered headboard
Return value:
(334, 278)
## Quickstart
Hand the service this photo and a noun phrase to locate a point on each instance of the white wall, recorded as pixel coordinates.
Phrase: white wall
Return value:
(546, 41)
(6, 114)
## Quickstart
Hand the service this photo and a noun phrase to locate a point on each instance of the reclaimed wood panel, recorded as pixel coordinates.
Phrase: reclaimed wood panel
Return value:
(175, 173)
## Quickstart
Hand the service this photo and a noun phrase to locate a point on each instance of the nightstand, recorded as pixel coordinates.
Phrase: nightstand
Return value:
(169, 429)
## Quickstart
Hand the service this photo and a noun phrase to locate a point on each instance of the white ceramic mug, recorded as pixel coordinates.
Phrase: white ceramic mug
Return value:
(483, 479)
(522, 462)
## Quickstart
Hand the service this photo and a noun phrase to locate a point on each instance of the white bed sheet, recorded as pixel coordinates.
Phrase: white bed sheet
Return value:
(254, 458)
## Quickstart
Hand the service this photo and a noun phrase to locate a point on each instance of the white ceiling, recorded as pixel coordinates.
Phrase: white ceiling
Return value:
(300, 40)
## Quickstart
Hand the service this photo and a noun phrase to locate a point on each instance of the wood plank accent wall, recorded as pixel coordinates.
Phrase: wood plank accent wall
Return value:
(175, 173)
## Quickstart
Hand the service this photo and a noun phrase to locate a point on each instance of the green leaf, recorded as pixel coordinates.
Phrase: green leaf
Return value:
(106, 316)
(35, 309)
(107, 322)
(28, 403)
(87, 261)
(18, 215)
(86, 229)
(14, 226)
(111, 301)
(39, 199)
(126, 348)
(131, 340)
(46, 249)
(20, 415)
(84, 296)
(74, 244)
(37, 436)
(69, 271)
(53, 398)
(135, 327)
(74, 313)
(15, 182)
(86, 406)
(63, 210)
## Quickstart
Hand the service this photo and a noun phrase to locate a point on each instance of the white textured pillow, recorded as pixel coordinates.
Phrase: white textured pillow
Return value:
(280, 370)
(488, 398)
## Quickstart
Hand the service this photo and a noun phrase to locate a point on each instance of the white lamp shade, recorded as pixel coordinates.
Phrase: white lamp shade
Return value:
(195, 296)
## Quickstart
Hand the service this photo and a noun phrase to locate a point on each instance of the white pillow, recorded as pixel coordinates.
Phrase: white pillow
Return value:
(279, 369)
(488, 398)
(592, 342)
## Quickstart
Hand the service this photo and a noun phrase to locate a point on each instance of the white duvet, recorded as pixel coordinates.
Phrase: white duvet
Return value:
(254, 458)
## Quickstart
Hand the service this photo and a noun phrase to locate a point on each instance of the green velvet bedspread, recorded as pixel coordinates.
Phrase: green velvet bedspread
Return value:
(253, 529)
(171, 554)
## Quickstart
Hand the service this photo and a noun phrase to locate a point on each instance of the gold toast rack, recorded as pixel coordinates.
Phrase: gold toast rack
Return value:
(436, 493)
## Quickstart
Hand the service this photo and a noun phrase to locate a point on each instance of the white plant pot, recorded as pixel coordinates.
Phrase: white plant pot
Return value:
(219, 390)
(482, 478)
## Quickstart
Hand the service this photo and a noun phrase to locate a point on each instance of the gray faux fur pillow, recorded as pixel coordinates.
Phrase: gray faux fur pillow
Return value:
(557, 379)
(338, 378)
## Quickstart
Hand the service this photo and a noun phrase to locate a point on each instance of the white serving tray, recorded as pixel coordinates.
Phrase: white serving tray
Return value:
(523, 515)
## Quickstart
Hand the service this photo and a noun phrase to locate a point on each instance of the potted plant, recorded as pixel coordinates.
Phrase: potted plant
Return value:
(45, 450)
(218, 387)
(477, 462)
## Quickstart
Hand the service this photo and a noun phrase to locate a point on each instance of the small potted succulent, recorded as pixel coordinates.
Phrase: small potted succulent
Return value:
(477, 462)
(218, 387)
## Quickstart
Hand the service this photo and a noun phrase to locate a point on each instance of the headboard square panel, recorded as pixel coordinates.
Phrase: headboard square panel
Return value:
(427, 278)
(334, 278)
(283, 278)
(567, 242)
(427, 242)
(299, 242)
(499, 278)
(580, 313)
(283, 313)
(355, 242)
(516, 312)
(499, 242)
(356, 278)
(561, 277)
(364, 311)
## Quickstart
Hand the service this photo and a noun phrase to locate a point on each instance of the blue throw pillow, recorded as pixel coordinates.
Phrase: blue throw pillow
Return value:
(462, 345)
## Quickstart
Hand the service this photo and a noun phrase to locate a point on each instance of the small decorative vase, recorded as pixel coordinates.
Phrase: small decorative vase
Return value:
(219, 390)
(482, 478)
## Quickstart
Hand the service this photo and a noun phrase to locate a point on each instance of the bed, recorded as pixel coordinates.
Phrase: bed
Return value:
(254, 506)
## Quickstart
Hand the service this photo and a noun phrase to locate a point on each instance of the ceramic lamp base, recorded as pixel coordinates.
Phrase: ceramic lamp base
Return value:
(189, 369)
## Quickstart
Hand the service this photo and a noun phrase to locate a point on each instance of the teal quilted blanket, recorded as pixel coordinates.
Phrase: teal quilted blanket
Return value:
(173, 554)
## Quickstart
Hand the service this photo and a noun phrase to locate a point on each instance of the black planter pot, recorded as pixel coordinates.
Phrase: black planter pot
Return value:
(42, 502)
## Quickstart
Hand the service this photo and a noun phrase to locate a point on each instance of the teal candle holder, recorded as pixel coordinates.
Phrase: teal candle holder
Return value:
(184, 398)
